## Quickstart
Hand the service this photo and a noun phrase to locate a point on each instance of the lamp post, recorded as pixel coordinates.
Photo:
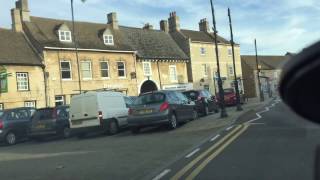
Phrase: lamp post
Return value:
(221, 92)
(258, 72)
(239, 108)
(76, 45)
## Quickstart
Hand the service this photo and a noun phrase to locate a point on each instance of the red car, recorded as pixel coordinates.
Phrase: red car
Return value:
(230, 97)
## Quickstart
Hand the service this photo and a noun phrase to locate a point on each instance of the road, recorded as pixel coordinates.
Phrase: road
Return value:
(273, 144)
(279, 145)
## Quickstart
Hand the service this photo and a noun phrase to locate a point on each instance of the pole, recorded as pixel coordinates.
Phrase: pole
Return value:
(159, 75)
(75, 46)
(258, 72)
(221, 92)
(239, 108)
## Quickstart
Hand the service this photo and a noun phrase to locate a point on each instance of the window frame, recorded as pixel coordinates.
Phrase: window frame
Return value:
(229, 52)
(124, 70)
(34, 102)
(70, 70)
(176, 74)
(143, 67)
(63, 100)
(62, 33)
(203, 51)
(108, 70)
(28, 84)
(229, 72)
(1, 106)
(90, 63)
(108, 39)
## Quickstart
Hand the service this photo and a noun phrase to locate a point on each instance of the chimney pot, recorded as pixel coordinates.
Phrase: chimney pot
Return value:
(164, 26)
(174, 22)
(112, 19)
(204, 25)
(23, 6)
(16, 20)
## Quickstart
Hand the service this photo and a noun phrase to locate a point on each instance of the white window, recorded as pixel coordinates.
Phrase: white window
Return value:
(1, 107)
(230, 70)
(22, 82)
(59, 100)
(65, 36)
(203, 51)
(104, 68)
(65, 67)
(229, 52)
(121, 69)
(173, 73)
(86, 70)
(147, 68)
(205, 70)
(108, 39)
(30, 104)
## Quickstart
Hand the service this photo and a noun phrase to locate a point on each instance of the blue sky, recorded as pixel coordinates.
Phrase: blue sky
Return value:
(279, 25)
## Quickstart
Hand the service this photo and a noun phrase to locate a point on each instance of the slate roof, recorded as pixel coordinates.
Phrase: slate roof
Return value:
(202, 36)
(152, 44)
(266, 62)
(15, 50)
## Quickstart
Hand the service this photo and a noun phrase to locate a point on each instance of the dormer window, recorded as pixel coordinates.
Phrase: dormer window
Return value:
(65, 36)
(108, 39)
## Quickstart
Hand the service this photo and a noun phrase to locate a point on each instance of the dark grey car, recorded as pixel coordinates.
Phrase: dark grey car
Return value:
(160, 107)
(14, 124)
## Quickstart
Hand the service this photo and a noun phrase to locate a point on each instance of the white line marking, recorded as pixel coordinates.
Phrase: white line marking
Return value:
(257, 123)
(166, 171)
(192, 153)
(214, 138)
(229, 128)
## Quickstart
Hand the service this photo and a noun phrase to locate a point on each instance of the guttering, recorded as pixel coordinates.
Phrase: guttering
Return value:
(95, 50)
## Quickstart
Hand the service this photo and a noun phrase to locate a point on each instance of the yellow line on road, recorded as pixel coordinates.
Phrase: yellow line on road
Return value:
(214, 154)
(201, 156)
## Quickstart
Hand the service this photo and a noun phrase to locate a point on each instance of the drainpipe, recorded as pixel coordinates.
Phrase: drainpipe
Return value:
(45, 84)
(159, 75)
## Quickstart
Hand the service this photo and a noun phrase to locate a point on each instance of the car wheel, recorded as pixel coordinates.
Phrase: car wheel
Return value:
(173, 122)
(66, 132)
(135, 130)
(206, 110)
(11, 138)
(195, 115)
(113, 127)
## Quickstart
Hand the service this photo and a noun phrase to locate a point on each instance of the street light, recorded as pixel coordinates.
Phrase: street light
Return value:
(76, 45)
(221, 92)
(239, 108)
(258, 72)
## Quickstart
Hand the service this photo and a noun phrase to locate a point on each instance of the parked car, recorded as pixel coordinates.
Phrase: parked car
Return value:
(14, 124)
(159, 108)
(98, 111)
(50, 122)
(204, 100)
(129, 100)
(230, 97)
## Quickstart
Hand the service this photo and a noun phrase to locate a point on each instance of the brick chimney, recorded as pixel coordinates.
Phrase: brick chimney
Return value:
(148, 26)
(204, 25)
(174, 22)
(16, 20)
(112, 19)
(164, 26)
(23, 6)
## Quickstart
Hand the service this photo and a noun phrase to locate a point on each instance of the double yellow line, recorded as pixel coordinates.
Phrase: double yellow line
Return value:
(215, 150)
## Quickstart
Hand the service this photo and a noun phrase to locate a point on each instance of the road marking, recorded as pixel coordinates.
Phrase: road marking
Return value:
(192, 153)
(159, 176)
(179, 174)
(196, 171)
(214, 138)
(229, 128)
(256, 123)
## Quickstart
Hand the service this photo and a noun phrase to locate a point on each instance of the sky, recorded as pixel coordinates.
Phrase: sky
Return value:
(279, 26)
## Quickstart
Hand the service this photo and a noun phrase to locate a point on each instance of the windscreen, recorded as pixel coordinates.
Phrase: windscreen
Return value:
(153, 98)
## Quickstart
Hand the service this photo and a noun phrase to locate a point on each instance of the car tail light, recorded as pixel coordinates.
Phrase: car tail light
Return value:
(100, 115)
(1, 124)
(130, 111)
(164, 106)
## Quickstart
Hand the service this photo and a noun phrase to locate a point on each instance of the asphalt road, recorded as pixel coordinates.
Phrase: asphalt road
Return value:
(273, 144)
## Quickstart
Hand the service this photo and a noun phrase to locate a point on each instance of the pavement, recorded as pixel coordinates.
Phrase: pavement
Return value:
(157, 153)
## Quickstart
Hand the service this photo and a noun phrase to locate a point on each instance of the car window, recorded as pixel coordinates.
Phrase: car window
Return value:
(181, 96)
(153, 98)
(46, 114)
(191, 95)
(63, 113)
(12, 115)
(1, 114)
(22, 114)
(172, 98)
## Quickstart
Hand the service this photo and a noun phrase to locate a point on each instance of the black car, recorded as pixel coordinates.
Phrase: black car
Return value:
(204, 100)
(14, 124)
(50, 122)
(160, 107)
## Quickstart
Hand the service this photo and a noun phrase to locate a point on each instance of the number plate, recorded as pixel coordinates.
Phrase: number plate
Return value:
(145, 111)
(76, 122)
(41, 126)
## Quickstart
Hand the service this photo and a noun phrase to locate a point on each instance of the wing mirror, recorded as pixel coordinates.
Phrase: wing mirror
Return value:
(300, 84)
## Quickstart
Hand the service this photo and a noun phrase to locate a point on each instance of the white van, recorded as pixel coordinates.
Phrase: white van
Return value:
(98, 111)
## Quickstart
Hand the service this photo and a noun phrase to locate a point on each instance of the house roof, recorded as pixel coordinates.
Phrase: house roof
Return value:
(203, 36)
(15, 49)
(153, 44)
(89, 35)
(266, 62)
